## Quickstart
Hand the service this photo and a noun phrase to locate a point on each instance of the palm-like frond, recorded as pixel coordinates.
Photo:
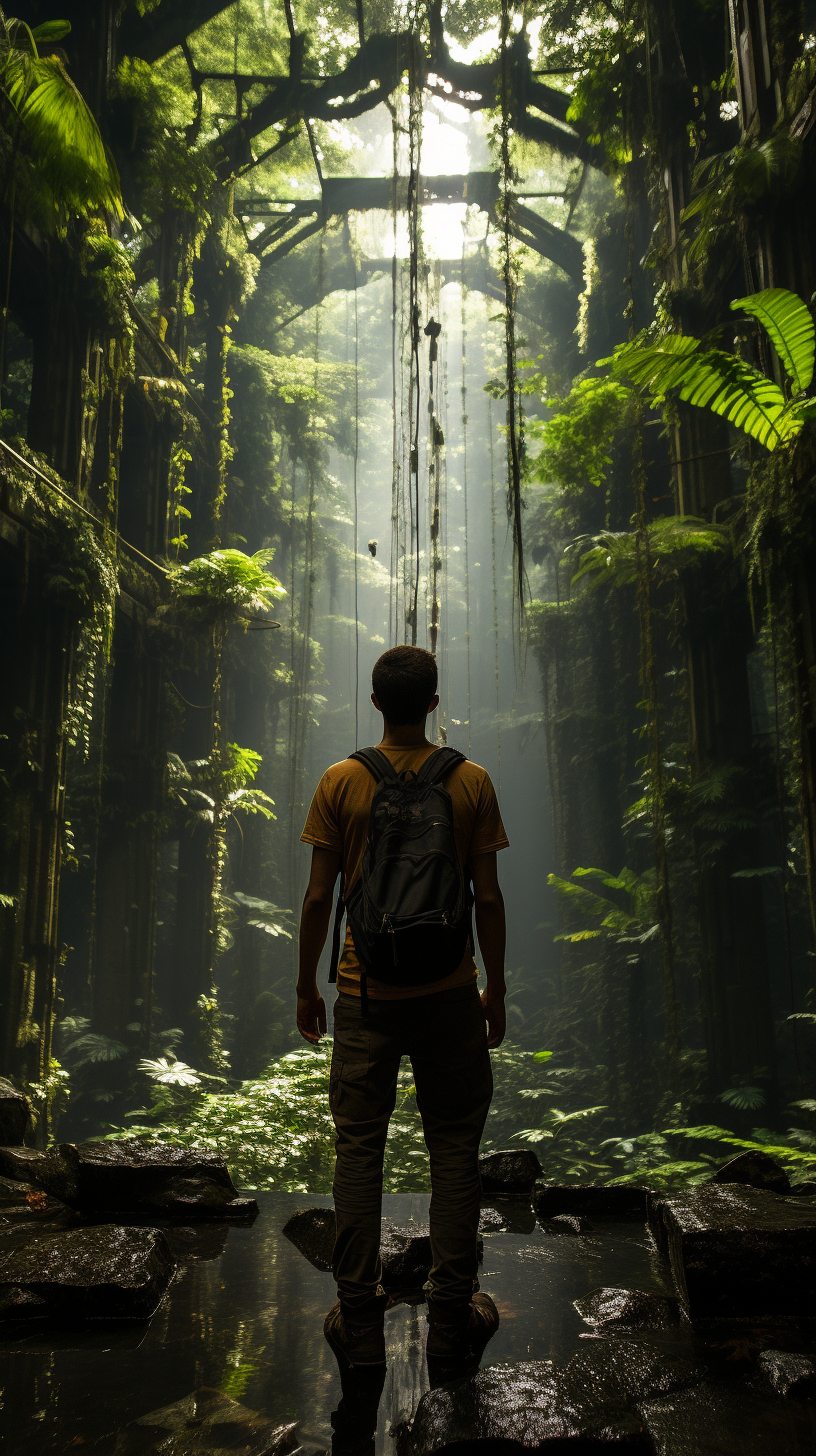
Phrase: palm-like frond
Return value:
(714, 380)
(675, 543)
(621, 922)
(64, 140)
(709, 379)
(789, 324)
(228, 581)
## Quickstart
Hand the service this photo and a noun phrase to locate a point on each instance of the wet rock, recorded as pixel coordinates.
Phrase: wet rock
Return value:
(15, 1115)
(758, 1170)
(594, 1200)
(739, 1251)
(406, 1256)
(589, 1403)
(789, 1375)
(714, 1420)
(22, 1165)
(207, 1422)
(405, 1252)
(22, 1204)
(312, 1231)
(196, 1244)
(134, 1177)
(639, 1309)
(512, 1172)
(87, 1273)
(492, 1221)
(517, 1214)
(569, 1223)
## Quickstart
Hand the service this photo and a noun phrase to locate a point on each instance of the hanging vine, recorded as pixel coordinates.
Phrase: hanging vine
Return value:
(515, 419)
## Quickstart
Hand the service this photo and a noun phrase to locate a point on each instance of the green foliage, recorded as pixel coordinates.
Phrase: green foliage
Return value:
(726, 385)
(674, 543)
(752, 178)
(649, 1159)
(745, 1099)
(214, 788)
(226, 583)
(265, 916)
(276, 1131)
(169, 1073)
(577, 439)
(764, 1140)
(633, 921)
(45, 117)
(81, 1047)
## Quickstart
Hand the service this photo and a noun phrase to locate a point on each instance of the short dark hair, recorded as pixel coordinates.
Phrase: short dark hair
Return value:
(404, 681)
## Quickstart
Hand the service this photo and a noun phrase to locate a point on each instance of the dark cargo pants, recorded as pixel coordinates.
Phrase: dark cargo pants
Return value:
(445, 1036)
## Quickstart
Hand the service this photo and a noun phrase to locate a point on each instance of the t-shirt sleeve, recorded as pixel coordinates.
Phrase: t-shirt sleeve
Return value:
(488, 831)
(322, 827)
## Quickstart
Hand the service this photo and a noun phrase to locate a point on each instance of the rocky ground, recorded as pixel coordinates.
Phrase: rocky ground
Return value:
(725, 1364)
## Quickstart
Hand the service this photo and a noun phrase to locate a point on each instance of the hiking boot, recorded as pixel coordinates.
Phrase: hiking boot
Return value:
(357, 1336)
(455, 1347)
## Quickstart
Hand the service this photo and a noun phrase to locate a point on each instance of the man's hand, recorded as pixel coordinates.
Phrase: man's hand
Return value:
(311, 1016)
(493, 1005)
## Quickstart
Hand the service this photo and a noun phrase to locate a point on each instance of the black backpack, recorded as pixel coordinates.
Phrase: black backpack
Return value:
(409, 912)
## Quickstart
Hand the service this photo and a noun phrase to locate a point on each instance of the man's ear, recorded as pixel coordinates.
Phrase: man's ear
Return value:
(376, 704)
(434, 703)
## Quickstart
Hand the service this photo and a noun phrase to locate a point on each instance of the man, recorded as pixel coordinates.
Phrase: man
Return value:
(440, 1026)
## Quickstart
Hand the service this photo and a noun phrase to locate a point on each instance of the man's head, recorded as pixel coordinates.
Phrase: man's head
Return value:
(404, 682)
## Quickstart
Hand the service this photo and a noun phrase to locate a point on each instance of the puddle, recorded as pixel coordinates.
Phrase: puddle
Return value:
(248, 1321)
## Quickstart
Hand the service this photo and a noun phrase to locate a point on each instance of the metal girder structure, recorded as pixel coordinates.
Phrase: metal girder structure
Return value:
(342, 195)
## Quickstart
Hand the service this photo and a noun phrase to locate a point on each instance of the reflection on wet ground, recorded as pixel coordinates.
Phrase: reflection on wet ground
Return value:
(245, 1316)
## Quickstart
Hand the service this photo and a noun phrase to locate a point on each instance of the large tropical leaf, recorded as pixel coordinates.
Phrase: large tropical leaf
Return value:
(790, 325)
(64, 140)
(710, 379)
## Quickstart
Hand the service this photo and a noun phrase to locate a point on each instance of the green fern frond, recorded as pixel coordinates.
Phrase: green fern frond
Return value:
(789, 324)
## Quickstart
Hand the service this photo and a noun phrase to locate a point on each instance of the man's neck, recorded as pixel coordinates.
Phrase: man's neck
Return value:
(406, 735)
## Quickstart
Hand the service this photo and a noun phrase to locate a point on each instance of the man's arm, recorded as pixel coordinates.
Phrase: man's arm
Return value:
(314, 927)
(491, 930)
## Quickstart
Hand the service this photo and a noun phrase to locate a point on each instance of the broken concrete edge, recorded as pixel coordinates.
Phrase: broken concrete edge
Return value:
(591, 1200)
(206, 1407)
(15, 1114)
(76, 1275)
(88, 1177)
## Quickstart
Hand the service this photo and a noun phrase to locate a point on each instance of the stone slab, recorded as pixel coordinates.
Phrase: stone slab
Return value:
(587, 1405)
(105, 1272)
(716, 1420)
(405, 1252)
(206, 1423)
(592, 1200)
(788, 1374)
(128, 1175)
(637, 1309)
(739, 1252)
(510, 1171)
(15, 1114)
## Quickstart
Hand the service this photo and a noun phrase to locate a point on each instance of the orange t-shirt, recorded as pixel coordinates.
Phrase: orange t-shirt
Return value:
(338, 820)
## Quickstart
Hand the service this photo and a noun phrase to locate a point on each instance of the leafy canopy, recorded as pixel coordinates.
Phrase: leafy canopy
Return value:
(43, 112)
(727, 385)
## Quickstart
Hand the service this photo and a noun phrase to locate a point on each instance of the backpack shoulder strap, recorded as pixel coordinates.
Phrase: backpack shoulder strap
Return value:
(339, 912)
(377, 764)
(436, 768)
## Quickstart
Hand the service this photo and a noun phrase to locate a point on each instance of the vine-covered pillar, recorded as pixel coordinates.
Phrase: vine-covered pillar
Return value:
(131, 810)
(734, 989)
(37, 670)
(217, 289)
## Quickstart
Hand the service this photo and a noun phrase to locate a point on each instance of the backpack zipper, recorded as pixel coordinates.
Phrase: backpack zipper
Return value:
(387, 926)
